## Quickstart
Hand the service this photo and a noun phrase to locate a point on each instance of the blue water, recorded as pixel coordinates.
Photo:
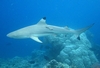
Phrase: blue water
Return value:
(15, 14)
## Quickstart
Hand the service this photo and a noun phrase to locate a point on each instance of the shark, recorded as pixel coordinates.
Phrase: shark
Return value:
(41, 29)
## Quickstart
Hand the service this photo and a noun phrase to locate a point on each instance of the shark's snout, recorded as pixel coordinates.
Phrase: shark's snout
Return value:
(16, 35)
(9, 35)
(12, 35)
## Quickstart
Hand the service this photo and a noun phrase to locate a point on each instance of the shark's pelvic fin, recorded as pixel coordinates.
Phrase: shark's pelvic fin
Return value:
(42, 21)
(36, 39)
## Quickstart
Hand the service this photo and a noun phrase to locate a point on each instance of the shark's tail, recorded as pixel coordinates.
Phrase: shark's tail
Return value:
(79, 31)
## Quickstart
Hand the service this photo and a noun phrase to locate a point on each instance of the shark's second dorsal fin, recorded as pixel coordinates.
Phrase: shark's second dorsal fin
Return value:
(42, 21)
(66, 27)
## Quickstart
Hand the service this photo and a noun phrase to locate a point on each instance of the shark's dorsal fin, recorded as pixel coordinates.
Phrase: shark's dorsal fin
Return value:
(36, 39)
(42, 21)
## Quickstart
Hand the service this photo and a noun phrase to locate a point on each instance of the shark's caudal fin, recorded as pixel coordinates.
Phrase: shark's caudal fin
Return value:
(78, 32)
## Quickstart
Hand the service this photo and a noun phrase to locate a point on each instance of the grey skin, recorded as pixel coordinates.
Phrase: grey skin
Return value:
(42, 29)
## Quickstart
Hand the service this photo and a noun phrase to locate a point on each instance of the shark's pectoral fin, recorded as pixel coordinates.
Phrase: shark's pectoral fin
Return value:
(36, 39)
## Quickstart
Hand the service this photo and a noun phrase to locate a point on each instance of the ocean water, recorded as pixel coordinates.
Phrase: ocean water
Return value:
(15, 14)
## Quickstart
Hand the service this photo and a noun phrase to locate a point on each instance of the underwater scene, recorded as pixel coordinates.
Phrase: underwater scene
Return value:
(49, 33)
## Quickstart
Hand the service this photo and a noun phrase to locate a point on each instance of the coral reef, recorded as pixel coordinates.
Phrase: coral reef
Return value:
(96, 49)
(36, 60)
(15, 62)
(63, 51)
(74, 52)
(39, 59)
(54, 64)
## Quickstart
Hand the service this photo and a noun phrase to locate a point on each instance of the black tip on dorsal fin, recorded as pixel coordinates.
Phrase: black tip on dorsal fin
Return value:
(44, 18)
(42, 21)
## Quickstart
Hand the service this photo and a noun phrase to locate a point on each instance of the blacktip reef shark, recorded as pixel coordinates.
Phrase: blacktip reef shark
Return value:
(42, 29)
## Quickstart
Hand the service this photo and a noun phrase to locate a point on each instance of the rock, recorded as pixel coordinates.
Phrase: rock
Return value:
(54, 64)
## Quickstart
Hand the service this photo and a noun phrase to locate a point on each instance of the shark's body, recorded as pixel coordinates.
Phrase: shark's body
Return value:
(42, 29)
